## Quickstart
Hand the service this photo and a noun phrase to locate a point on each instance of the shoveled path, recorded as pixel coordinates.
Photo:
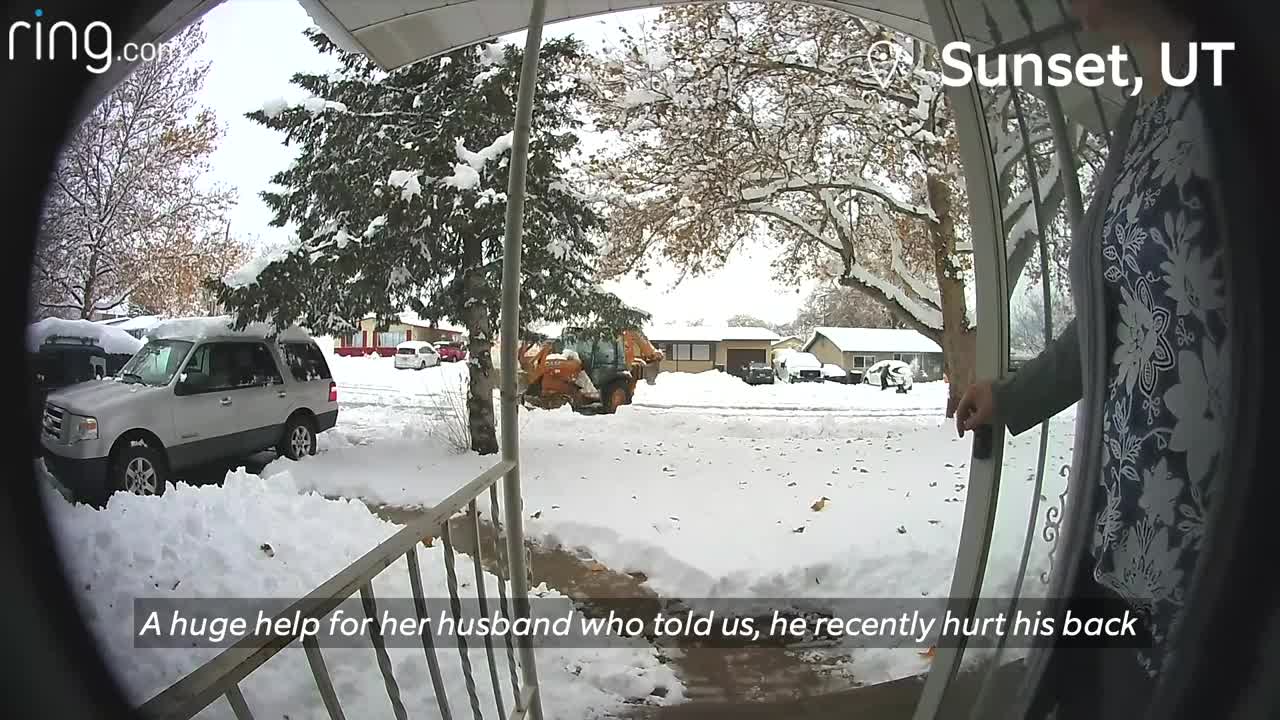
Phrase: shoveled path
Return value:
(719, 682)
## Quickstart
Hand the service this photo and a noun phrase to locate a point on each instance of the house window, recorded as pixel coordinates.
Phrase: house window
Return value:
(691, 351)
(908, 358)
(862, 362)
(356, 340)
(390, 339)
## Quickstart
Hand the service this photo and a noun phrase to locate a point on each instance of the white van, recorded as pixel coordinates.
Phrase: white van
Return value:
(416, 354)
(800, 367)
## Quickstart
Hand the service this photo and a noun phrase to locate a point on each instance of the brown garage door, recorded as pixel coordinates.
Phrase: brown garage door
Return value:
(737, 360)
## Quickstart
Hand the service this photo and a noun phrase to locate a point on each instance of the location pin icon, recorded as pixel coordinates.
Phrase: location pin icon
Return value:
(882, 62)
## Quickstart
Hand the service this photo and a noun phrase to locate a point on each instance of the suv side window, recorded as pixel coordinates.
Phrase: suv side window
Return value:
(306, 362)
(233, 365)
(261, 367)
(198, 371)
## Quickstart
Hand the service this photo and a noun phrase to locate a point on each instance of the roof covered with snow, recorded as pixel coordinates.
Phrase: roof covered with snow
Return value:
(198, 328)
(708, 333)
(875, 340)
(112, 339)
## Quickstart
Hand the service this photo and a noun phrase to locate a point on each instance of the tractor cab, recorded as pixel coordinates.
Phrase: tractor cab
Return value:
(603, 358)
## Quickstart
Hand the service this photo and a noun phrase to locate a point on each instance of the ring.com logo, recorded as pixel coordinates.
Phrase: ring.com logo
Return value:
(61, 40)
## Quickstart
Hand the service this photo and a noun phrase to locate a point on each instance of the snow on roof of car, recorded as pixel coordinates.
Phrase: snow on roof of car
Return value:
(196, 328)
(415, 344)
(875, 340)
(111, 339)
(802, 359)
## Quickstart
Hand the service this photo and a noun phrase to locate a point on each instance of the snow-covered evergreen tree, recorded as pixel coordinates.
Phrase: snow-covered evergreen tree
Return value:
(399, 199)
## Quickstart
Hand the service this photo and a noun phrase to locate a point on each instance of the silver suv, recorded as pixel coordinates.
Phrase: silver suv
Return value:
(194, 394)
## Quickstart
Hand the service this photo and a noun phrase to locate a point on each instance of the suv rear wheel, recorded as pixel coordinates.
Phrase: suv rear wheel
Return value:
(299, 438)
(141, 470)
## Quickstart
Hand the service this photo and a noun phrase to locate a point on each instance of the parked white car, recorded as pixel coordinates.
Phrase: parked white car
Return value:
(834, 373)
(196, 393)
(889, 373)
(416, 354)
(800, 367)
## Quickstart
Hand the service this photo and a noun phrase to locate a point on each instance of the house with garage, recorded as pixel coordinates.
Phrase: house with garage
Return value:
(856, 349)
(696, 348)
(375, 339)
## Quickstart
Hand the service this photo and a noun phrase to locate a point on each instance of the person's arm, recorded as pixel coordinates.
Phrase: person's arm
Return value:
(1042, 388)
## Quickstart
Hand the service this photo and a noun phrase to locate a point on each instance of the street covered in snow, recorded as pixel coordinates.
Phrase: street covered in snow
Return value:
(706, 489)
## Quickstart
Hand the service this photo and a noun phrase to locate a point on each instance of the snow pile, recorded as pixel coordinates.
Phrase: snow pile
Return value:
(492, 54)
(407, 181)
(478, 160)
(713, 389)
(276, 106)
(317, 105)
(636, 97)
(464, 177)
(195, 328)
(253, 538)
(247, 274)
(113, 340)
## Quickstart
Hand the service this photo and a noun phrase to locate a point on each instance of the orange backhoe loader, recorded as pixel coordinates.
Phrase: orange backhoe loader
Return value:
(590, 374)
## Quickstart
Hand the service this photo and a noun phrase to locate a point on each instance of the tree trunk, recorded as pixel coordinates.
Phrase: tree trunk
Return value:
(959, 341)
(480, 416)
(87, 302)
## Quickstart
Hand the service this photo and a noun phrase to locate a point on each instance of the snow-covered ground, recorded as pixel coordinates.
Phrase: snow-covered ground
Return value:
(255, 538)
(707, 486)
(711, 488)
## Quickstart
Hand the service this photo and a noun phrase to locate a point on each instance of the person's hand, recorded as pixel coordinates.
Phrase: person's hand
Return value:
(977, 407)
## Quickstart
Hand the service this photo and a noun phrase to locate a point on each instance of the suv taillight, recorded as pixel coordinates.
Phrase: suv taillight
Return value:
(333, 391)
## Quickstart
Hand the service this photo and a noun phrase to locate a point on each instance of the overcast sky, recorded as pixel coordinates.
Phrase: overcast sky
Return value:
(255, 46)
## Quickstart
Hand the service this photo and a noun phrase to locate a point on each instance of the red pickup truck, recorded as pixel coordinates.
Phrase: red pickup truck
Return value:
(451, 352)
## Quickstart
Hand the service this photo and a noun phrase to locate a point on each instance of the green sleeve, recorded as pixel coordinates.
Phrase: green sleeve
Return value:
(1042, 388)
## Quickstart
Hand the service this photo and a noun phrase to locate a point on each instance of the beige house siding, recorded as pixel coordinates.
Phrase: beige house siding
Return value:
(788, 344)
(687, 366)
(827, 352)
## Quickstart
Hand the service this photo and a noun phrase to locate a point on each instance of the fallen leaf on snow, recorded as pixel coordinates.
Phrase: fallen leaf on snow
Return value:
(799, 529)
(820, 504)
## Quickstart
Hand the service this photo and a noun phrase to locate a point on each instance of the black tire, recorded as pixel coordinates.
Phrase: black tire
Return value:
(140, 469)
(299, 438)
(614, 396)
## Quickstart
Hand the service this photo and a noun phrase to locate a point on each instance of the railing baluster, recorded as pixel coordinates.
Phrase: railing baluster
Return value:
(428, 641)
(456, 606)
(238, 705)
(370, 606)
(483, 601)
(503, 574)
(321, 674)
